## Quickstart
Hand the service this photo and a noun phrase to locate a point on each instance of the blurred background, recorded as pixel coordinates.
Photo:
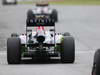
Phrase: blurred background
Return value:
(79, 17)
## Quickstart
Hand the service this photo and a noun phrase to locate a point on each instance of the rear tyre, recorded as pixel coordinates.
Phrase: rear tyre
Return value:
(13, 50)
(96, 64)
(66, 34)
(14, 35)
(30, 14)
(54, 15)
(68, 50)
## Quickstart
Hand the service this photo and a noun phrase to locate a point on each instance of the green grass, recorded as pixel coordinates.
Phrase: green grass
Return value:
(78, 2)
(70, 2)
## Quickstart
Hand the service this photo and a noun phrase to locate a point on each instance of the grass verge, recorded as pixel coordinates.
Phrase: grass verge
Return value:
(73, 2)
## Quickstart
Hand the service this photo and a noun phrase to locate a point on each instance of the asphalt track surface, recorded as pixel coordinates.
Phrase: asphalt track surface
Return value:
(83, 22)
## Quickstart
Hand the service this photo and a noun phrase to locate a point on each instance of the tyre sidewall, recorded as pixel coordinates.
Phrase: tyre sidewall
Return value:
(68, 50)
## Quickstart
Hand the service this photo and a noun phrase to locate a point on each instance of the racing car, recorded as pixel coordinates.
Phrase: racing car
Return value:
(40, 41)
(42, 10)
(96, 63)
(6, 2)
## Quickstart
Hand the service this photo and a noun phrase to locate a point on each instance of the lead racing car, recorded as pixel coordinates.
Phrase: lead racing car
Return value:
(42, 10)
(40, 41)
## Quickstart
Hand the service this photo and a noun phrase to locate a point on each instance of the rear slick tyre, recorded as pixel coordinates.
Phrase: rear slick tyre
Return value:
(68, 50)
(13, 51)
(96, 64)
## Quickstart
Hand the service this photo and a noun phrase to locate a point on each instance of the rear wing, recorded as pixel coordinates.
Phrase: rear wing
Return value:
(40, 22)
